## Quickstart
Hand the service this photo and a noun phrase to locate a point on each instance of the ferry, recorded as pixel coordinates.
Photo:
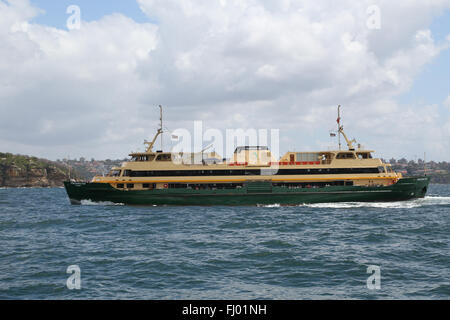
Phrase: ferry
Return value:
(250, 177)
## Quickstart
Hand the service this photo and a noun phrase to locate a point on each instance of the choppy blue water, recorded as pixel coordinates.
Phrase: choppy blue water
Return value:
(305, 252)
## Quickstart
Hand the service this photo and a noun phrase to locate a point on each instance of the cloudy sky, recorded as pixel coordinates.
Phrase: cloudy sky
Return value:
(93, 91)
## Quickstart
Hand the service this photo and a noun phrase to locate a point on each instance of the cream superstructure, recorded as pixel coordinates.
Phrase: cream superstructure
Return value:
(162, 170)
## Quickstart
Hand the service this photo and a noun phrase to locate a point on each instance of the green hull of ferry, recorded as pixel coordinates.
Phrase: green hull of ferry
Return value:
(251, 194)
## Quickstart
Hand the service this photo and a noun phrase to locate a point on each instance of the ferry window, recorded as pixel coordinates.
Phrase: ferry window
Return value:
(115, 173)
(164, 157)
(381, 169)
(143, 158)
(130, 186)
(120, 186)
(127, 173)
(307, 157)
(362, 156)
(345, 155)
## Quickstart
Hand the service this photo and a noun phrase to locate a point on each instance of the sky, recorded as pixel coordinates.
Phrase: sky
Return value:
(92, 91)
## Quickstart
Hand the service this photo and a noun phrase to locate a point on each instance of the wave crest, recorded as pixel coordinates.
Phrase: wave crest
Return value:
(427, 201)
(99, 203)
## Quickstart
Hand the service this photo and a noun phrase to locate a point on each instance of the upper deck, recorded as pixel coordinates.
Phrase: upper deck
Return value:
(253, 158)
(250, 163)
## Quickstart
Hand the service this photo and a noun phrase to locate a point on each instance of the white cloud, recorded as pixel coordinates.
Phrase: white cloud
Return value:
(264, 64)
(70, 88)
(447, 102)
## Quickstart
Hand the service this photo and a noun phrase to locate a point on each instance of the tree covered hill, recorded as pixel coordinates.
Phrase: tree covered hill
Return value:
(26, 171)
(438, 171)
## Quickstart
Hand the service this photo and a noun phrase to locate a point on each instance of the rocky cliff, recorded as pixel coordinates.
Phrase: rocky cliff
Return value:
(24, 171)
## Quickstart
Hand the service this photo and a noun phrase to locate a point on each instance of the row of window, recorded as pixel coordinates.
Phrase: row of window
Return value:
(206, 186)
(131, 185)
(247, 172)
(298, 185)
(222, 186)
(201, 186)
(161, 157)
(305, 156)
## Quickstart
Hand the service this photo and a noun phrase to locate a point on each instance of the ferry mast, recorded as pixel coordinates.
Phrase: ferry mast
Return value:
(158, 133)
(341, 131)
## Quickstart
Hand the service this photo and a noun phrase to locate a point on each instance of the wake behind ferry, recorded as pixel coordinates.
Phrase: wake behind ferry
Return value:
(250, 177)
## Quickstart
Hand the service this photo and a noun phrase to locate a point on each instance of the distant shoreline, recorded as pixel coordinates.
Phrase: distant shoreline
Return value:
(4, 188)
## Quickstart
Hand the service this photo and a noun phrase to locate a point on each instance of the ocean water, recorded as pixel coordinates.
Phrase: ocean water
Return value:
(319, 251)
